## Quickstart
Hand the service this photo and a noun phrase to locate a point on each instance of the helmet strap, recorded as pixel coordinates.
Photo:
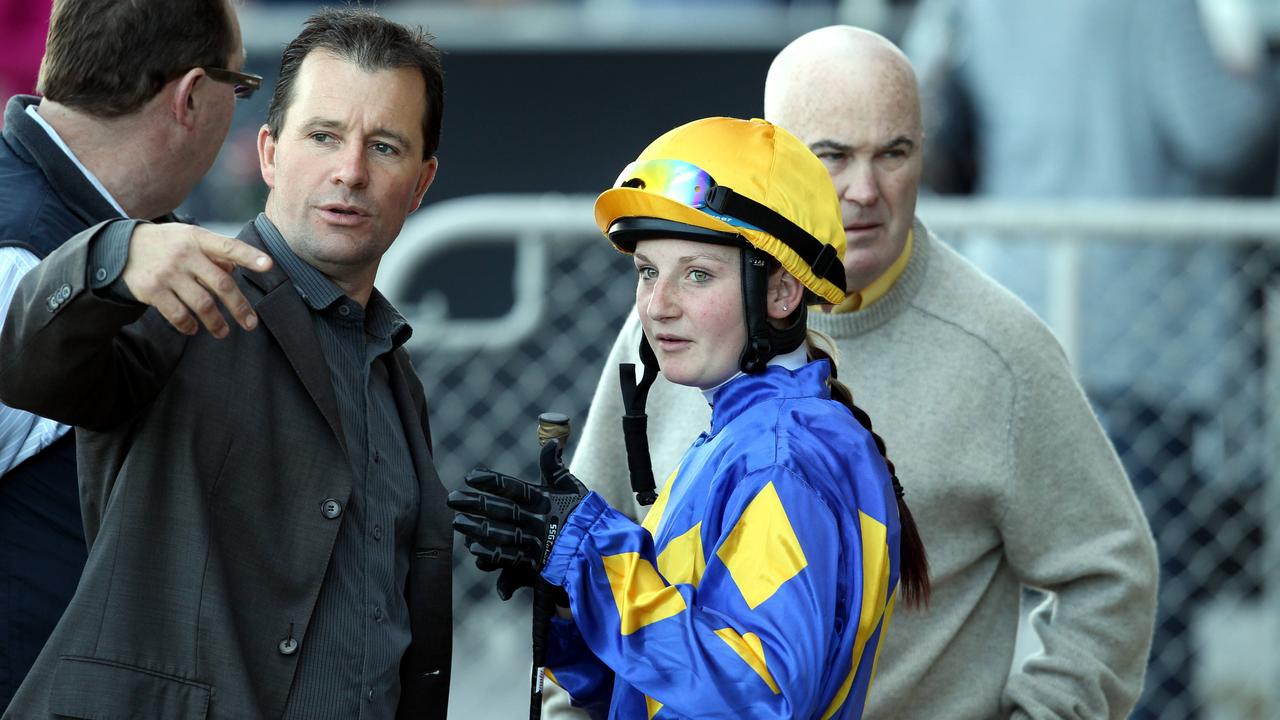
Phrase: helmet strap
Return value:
(764, 341)
(635, 422)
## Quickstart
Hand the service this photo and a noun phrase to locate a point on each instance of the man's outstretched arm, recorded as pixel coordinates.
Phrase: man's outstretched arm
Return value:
(78, 343)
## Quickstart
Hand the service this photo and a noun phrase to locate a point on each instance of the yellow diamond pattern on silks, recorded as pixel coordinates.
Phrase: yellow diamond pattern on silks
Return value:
(682, 561)
(751, 651)
(875, 591)
(641, 595)
(875, 576)
(652, 706)
(762, 551)
(654, 516)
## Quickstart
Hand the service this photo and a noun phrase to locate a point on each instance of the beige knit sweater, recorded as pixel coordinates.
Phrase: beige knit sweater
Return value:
(1009, 476)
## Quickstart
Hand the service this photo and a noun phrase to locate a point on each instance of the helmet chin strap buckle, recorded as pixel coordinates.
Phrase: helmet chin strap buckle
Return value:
(764, 341)
(826, 258)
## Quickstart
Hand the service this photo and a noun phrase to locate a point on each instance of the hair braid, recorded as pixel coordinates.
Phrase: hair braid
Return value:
(914, 561)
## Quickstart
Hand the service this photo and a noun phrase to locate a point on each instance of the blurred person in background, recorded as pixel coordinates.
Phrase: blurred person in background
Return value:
(1009, 475)
(762, 583)
(137, 101)
(1095, 99)
(267, 533)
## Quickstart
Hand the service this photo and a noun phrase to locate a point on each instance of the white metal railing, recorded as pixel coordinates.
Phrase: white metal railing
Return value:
(529, 222)
(577, 26)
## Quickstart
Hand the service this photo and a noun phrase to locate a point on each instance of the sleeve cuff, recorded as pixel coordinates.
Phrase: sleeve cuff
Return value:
(108, 254)
(575, 530)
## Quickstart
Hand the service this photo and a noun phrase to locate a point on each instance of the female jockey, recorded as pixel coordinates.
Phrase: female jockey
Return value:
(763, 578)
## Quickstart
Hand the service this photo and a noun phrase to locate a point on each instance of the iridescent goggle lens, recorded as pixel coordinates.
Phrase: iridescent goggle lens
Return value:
(676, 180)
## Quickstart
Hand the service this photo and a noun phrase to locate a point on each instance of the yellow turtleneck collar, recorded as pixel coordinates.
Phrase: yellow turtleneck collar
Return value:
(860, 300)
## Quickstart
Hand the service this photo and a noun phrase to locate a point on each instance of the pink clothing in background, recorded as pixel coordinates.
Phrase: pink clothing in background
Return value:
(23, 27)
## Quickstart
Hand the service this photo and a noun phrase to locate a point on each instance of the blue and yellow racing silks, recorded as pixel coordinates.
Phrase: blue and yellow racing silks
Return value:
(762, 578)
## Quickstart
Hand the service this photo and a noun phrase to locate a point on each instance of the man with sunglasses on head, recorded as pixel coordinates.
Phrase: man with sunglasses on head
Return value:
(268, 537)
(137, 99)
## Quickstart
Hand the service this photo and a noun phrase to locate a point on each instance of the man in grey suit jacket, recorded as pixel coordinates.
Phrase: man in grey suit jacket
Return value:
(136, 100)
(268, 536)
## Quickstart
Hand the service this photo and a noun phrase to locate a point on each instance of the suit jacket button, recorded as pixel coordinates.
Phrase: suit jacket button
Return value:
(288, 646)
(331, 508)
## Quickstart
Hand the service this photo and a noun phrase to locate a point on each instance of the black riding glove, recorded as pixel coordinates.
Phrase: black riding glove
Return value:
(511, 525)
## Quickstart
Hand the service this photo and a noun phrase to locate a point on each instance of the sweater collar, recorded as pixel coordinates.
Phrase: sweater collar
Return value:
(895, 301)
(866, 297)
(775, 383)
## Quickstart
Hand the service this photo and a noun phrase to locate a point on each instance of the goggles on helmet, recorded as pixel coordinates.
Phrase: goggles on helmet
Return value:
(690, 185)
(680, 181)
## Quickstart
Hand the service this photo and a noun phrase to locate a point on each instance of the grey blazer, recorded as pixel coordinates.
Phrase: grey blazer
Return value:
(204, 466)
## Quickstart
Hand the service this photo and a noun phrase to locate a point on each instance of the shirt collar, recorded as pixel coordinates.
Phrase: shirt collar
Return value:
(793, 361)
(319, 293)
(93, 179)
(743, 392)
(383, 320)
(862, 299)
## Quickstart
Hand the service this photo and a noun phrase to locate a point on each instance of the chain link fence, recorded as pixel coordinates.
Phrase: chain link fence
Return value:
(490, 368)
(1165, 311)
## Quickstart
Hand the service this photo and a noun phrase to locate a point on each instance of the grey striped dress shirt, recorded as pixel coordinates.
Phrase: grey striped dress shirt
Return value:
(349, 661)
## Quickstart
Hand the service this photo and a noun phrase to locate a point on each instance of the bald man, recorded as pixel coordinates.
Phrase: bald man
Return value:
(1007, 471)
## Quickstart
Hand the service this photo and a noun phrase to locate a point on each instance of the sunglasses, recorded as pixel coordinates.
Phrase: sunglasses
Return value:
(244, 84)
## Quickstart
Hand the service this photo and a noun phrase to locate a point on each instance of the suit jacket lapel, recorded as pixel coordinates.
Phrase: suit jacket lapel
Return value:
(283, 313)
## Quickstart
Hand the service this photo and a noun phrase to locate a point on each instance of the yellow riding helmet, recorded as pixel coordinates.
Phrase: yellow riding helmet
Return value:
(748, 178)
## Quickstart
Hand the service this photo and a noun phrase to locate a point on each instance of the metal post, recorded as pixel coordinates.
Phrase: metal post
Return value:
(1063, 293)
(1271, 490)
